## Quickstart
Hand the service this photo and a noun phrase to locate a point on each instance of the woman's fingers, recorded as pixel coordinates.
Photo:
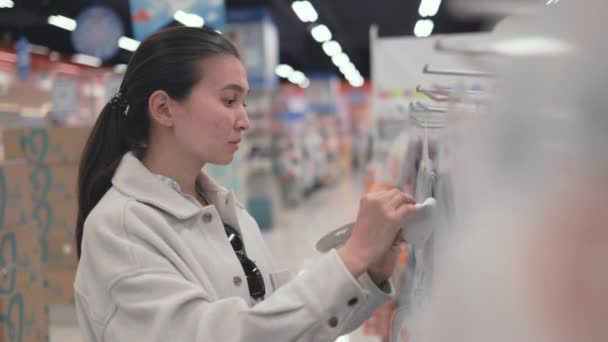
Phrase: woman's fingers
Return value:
(404, 210)
(400, 199)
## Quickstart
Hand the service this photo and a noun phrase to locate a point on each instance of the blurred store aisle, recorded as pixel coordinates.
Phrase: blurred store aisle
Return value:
(292, 242)
(298, 229)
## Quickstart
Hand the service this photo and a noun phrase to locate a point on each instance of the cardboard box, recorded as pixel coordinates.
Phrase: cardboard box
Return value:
(62, 250)
(28, 315)
(60, 285)
(54, 199)
(15, 194)
(20, 251)
(23, 295)
(46, 145)
(54, 182)
(55, 195)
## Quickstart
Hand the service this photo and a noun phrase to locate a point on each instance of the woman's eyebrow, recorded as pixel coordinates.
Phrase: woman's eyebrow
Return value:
(235, 87)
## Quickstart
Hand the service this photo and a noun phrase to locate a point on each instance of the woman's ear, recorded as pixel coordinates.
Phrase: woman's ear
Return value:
(158, 105)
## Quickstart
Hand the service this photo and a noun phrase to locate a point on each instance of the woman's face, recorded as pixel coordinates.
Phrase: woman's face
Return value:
(210, 122)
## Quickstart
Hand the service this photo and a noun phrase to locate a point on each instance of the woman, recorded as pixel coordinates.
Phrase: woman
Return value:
(166, 254)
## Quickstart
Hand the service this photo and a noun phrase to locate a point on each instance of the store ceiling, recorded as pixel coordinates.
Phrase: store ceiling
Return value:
(349, 21)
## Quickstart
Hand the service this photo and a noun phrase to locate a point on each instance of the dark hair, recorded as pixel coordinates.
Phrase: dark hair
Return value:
(167, 60)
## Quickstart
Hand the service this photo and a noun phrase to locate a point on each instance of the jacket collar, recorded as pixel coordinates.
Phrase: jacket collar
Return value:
(134, 180)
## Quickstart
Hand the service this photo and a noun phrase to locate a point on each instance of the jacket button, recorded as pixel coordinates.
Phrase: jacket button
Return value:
(237, 281)
(207, 217)
(353, 302)
(333, 322)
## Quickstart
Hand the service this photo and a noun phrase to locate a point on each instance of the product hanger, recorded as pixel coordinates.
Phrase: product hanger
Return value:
(418, 107)
(464, 73)
(440, 46)
(433, 95)
(441, 95)
(425, 122)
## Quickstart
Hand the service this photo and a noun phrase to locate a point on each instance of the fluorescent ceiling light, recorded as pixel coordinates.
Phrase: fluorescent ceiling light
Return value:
(351, 76)
(128, 44)
(6, 4)
(189, 19)
(424, 28)
(321, 33)
(429, 8)
(305, 11)
(341, 59)
(531, 46)
(332, 48)
(86, 60)
(552, 2)
(357, 83)
(297, 77)
(283, 70)
(347, 68)
(62, 22)
(305, 83)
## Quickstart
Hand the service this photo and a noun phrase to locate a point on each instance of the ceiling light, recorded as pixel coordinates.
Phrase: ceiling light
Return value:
(341, 59)
(354, 75)
(357, 83)
(347, 68)
(531, 46)
(429, 8)
(6, 4)
(189, 19)
(297, 77)
(283, 70)
(321, 33)
(424, 28)
(305, 11)
(332, 48)
(62, 22)
(86, 60)
(305, 83)
(128, 44)
(552, 2)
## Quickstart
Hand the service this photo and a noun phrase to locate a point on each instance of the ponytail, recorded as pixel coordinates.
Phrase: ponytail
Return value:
(102, 153)
(167, 60)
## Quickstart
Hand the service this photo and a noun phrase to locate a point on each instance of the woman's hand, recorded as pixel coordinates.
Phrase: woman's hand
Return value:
(385, 267)
(375, 232)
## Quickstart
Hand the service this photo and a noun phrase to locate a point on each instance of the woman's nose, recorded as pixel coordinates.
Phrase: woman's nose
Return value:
(242, 123)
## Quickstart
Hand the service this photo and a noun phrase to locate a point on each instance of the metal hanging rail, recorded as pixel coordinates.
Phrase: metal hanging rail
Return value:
(464, 73)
